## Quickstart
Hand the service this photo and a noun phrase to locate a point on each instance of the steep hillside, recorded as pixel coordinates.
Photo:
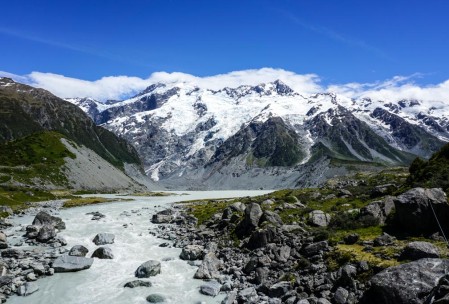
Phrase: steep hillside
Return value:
(41, 135)
(266, 135)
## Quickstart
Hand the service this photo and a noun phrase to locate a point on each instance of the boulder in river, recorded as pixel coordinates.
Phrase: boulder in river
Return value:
(138, 283)
(43, 218)
(148, 269)
(155, 298)
(67, 263)
(27, 289)
(211, 288)
(46, 233)
(78, 250)
(192, 252)
(103, 253)
(408, 283)
(103, 239)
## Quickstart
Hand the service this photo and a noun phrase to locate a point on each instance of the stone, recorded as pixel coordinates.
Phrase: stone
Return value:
(211, 288)
(103, 253)
(43, 218)
(103, 239)
(315, 248)
(209, 268)
(6, 280)
(3, 241)
(379, 210)
(32, 231)
(283, 254)
(27, 289)
(162, 217)
(46, 233)
(247, 295)
(148, 269)
(272, 218)
(419, 250)
(261, 276)
(384, 240)
(192, 252)
(341, 296)
(230, 298)
(250, 220)
(382, 190)
(408, 283)
(67, 263)
(78, 250)
(138, 283)
(6, 209)
(351, 238)
(414, 212)
(238, 207)
(12, 253)
(155, 298)
(319, 218)
(279, 289)
(261, 238)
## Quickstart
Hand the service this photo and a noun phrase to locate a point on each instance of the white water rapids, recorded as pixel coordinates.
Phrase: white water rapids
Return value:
(103, 282)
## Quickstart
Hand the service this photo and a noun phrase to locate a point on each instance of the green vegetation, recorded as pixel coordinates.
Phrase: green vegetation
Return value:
(33, 159)
(83, 201)
(204, 210)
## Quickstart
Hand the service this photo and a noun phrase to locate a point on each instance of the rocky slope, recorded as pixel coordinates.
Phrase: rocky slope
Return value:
(267, 135)
(50, 143)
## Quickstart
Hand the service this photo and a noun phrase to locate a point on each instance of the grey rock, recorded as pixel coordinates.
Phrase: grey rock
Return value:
(315, 248)
(408, 283)
(103, 253)
(32, 231)
(209, 268)
(230, 298)
(103, 239)
(379, 209)
(238, 206)
(419, 250)
(192, 252)
(211, 288)
(272, 218)
(6, 209)
(3, 241)
(384, 240)
(414, 211)
(261, 238)
(27, 289)
(155, 298)
(148, 269)
(261, 276)
(137, 283)
(341, 296)
(5, 280)
(163, 217)
(250, 221)
(12, 253)
(351, 238)
(46, 233)
(279, 289)
(319, 218)
(43, 218)
(78, 250)
(67, 263)
(248, 295)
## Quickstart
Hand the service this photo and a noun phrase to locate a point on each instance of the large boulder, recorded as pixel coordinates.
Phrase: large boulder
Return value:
(43, 218)
(408, 283)
(103, 239)
(67, 263)
(103, 253)
(414, 213)
(209, 267)
(250, 220)
(148, 269)
(319, 218)
(419, 250)
(163, 217)
(261, 238)
(27, 289)
(78, 250)
(379, 209)
(272, 218)
(46, 233)
(192, 252)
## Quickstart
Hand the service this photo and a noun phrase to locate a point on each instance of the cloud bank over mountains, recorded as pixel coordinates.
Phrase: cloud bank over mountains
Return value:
(121, 87)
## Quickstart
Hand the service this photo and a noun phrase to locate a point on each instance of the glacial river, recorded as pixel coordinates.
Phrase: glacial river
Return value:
(103, 282)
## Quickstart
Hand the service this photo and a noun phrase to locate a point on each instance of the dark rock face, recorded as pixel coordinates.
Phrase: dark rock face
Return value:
(43, 218)
(408, 283)
(250, 221)
(67, 263)
(148, 269)
(261, 238)
(419, 250)
(414, 211)
(103, 253)
(103, 239)
(78, 250)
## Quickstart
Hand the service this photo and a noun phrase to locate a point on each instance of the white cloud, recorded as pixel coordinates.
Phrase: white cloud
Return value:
(119, 87)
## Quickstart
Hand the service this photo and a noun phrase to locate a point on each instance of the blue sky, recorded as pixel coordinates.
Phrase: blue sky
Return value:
(340, 41)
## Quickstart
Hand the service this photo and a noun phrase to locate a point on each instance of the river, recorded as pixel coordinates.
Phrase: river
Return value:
(103, 282)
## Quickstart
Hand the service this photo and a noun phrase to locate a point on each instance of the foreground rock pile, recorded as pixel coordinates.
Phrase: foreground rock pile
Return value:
(248, 252)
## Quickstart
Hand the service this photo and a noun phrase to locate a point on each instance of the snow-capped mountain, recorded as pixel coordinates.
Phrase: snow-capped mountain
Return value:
(266, 135)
